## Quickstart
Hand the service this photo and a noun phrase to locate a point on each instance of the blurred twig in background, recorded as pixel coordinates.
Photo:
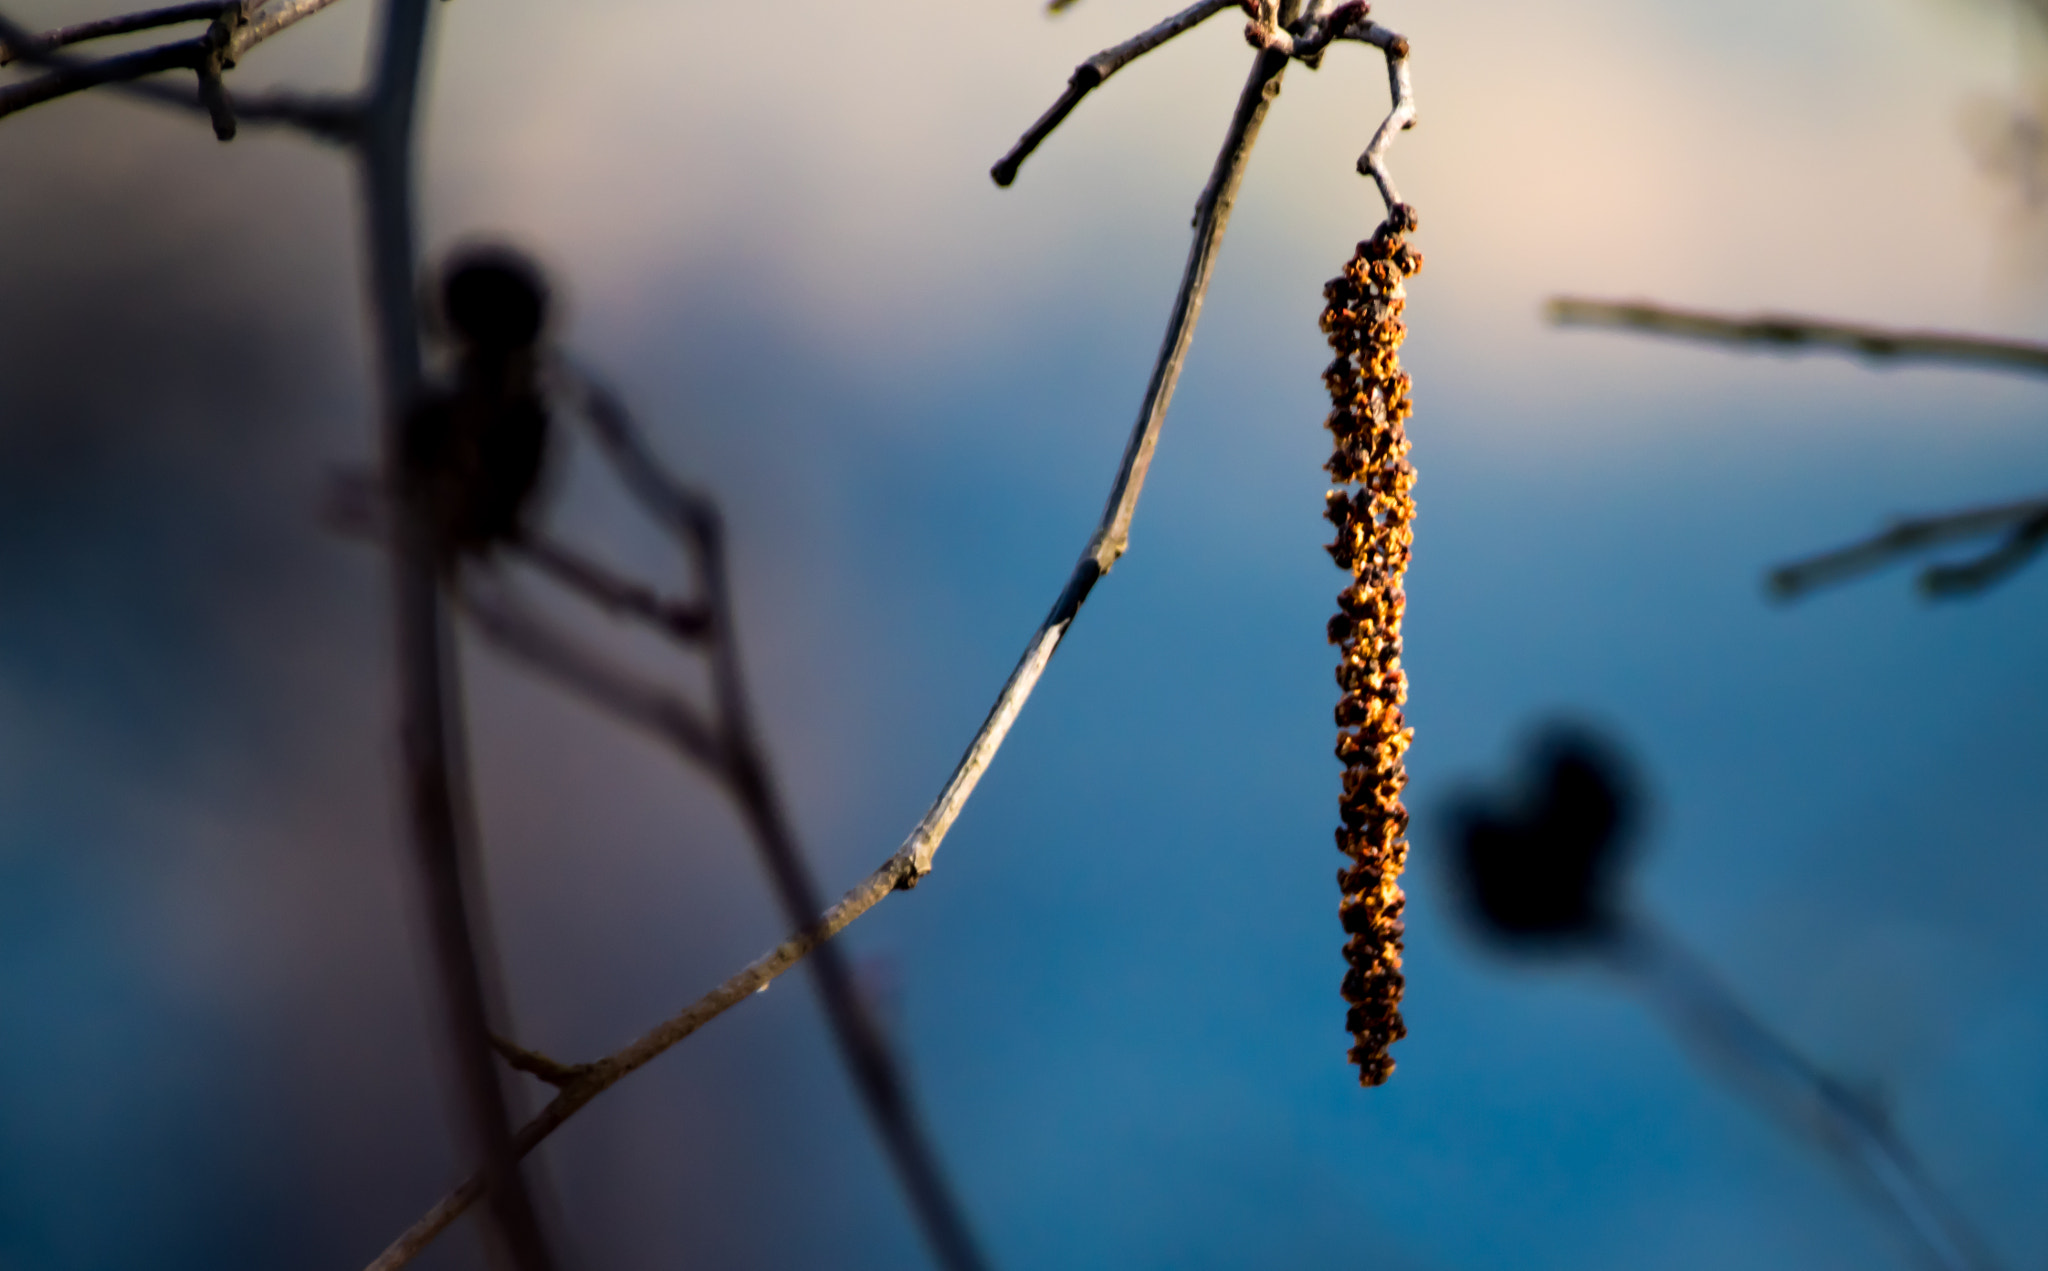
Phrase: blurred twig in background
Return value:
(1541, 870)
(2025, 522)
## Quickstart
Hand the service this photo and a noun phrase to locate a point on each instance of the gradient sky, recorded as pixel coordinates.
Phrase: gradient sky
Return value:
(1118, 991)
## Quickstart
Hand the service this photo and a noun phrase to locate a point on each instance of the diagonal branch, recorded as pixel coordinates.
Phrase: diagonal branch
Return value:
(684, 620)
(1855, 1134)
(1096, 69)
(1776, 331)
(233, 37)
(913, 859)
(741, 761)
(124, 24)
(521, 634)
(1789, 582)
(2000, 563)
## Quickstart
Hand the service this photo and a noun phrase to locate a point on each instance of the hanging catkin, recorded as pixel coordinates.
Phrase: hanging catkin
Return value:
(1370, 396)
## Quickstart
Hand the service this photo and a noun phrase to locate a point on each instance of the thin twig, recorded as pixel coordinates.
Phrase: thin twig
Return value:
(535, 1064)
(1400, 118)
(1776, 331)
(1854, 1133)
(742, 763)
(685, 620)
(520, 633)
(77, 77)
(1967, 578)
(124, 24)
(913, 860)
(330, 118)
(1092, 72)
(442, 821)
(1791, 581)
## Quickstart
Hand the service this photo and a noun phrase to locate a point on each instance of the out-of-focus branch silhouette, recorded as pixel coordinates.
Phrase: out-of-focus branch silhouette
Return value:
(1773, 332)
(1541, 871)
(2024, 523)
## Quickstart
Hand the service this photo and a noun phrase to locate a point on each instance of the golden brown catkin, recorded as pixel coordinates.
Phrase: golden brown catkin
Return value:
(1370, 396)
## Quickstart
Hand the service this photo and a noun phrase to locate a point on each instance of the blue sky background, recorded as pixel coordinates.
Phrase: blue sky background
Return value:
(1118, 990)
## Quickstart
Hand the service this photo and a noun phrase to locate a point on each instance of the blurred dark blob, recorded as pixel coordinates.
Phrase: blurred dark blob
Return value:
(1541, 866)
(476, 455)
(494, 297)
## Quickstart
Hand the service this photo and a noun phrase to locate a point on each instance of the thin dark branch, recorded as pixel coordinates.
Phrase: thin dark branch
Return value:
(519, 633)
(535, 1064)
(1799, 578)
(1853, 1132)
(685, 620)
(1776, 331)
(124, 24)
(441, 822)
(271, 20)
(913, 860)
(750, 780)
(1089, 74)
(79, 76)
(330, 118)
(1967, 578)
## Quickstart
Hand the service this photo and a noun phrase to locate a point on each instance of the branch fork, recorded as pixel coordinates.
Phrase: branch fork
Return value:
(1269, 28)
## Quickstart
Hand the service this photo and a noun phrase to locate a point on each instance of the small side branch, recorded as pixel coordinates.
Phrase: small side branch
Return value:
(535, 1064)
(1789, 334)
(522, 635)
(207, 55)
(1400, 118)
(74, 77)
(1090, 74)
(2002, 562)
(1800, 578)
(686, 621)
(124, 24)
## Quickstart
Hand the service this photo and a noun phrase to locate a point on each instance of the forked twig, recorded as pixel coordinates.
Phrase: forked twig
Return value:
(523, 635)
(728, 746)
(682, 620)
(2027, 519)
(123, 24)
(913, 859)
(1776, 331)
(1089, 74)
(1301, 32)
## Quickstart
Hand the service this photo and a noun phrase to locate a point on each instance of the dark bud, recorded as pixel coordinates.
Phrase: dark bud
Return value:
(494, 298)
(1542, 867)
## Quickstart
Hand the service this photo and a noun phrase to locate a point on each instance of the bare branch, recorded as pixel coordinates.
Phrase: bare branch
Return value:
(1776, 331)
(754, 978)
(686, 621)
(1851, 1130)
(535, 1064)
(269, 21)
(1789, 582)
(913, 859)
(329, 118)
(2002, 562)
(1096, 69)
(1401, 117)
(147, 20)
(441, 822)
(78, 76)
(522, 634)
(743, 765)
